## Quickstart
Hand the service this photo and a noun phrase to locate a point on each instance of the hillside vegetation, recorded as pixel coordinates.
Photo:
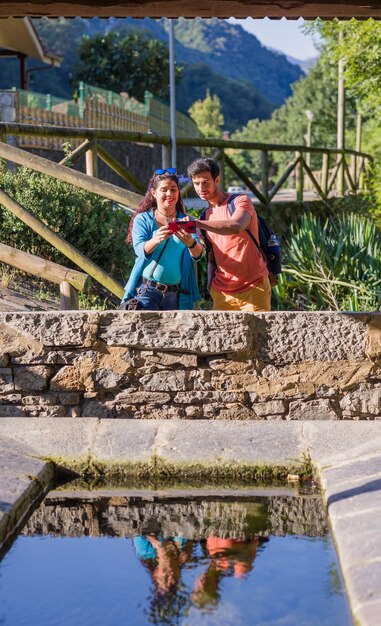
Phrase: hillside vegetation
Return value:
(250, 79)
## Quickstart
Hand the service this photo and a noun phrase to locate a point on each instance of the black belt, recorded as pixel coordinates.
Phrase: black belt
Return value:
(160, 286)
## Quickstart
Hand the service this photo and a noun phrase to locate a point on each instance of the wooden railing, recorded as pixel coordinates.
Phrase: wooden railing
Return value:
(70, 281)
(348, 174)
(342, 171)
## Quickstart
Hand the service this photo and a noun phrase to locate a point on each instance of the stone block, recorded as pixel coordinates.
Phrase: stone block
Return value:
(135, 397)
(365, 400)
(107, 379)
(203, 397)
(33, 331)
(10, 398)
(272, 407)
(284, 337)
(72, 378)
(33, 410)
(311, 410)
(6, 380)
(11, 410)
(199, 332)
(32, 378)
(166, 380)
(96, 408)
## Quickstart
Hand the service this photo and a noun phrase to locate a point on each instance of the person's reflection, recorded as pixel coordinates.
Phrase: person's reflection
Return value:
(164, 559)
(228, 557)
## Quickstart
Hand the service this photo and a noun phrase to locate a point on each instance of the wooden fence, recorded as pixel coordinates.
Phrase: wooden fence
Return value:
(344, 170)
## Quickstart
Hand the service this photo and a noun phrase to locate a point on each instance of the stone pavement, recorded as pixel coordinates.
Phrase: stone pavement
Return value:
(346, 455)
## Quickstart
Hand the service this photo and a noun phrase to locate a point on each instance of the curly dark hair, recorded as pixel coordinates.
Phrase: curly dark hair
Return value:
(149, 201)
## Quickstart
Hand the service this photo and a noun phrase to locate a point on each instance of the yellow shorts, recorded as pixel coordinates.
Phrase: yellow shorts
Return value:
(254, 299)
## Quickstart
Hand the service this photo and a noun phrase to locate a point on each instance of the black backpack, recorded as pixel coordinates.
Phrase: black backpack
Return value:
(268, 245)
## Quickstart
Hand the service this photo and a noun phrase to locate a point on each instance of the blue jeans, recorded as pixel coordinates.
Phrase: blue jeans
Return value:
(151, 299)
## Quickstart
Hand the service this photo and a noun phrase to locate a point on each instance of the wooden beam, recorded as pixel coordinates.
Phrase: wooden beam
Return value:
(37, 266)
(245, 179)
(37, 130)
(77, 153)
(61, 244)
(67, 175)
(107, 157)
(274, 190)
(308, 9)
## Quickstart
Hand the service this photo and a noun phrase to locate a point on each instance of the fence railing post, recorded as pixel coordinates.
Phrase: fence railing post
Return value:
(299, 178)
(265, 174)
(325, 172)
(221, 163)
(69, 297)
(92, 161)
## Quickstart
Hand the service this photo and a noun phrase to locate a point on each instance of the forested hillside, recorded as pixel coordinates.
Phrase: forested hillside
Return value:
(250, 80)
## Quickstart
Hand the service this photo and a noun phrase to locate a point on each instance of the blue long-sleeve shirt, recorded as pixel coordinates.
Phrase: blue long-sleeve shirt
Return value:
(142, 231)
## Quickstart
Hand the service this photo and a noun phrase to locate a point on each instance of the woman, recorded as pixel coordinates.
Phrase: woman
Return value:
(163, 277)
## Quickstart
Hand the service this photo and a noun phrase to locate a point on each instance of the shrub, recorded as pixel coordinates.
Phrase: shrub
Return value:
(333, 264)
(87, 221)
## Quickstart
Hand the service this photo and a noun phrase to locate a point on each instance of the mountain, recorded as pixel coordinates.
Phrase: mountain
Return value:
(304, 64)
(250, 80)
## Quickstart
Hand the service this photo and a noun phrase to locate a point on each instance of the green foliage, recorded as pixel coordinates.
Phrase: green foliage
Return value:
(133, 64)
(240, 100)
(333, 264)
(87, 221)
(316, 92)
(207, 115)
(360, 46)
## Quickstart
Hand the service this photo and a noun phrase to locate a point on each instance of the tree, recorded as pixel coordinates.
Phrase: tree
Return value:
(133, 64)
(360, 46)
(208, 116)
(316, 92)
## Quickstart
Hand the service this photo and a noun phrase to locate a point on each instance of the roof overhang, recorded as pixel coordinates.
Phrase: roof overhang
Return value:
(19, 36)
(291, 9)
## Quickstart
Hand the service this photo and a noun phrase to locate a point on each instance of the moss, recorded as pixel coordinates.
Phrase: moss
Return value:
(157, 469)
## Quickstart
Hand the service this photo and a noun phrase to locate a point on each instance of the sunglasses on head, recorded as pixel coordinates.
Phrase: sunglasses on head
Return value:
(160, 171)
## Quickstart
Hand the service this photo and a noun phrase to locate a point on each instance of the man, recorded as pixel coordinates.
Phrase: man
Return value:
(239, 279)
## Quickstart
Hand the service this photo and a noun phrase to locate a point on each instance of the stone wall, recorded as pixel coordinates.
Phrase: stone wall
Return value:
(187, 516)
(191, 364)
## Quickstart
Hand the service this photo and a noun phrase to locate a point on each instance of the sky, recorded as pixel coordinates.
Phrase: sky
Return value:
(284, 35)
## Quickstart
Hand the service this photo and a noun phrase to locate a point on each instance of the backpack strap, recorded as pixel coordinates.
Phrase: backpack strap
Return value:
(231, 209)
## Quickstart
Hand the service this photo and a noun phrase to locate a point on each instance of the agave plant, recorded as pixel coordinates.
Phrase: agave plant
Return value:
(333, 264)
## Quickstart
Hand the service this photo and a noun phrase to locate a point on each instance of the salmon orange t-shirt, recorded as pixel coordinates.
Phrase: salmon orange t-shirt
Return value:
(239, 263)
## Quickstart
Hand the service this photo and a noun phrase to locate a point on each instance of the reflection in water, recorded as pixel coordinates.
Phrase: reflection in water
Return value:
(165, 558)
(127, 559)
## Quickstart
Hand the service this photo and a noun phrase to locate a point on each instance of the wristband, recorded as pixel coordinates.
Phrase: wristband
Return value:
(193, 245)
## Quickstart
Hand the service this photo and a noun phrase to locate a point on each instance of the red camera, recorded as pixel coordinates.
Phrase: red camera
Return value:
(188, 226)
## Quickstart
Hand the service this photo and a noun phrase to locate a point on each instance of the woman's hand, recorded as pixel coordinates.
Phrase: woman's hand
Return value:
(161, 235)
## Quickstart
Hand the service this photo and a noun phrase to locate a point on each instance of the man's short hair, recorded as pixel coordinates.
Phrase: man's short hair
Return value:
(205, 164)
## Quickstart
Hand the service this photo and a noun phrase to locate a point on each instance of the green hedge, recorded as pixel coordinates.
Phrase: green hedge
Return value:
(87, 221)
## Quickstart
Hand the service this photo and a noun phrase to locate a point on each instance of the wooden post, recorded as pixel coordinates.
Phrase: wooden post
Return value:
(265, 174)
(358, 146)
(324, 173)
(92, 162)
(221, 163)
(299, 178)
(69, 299)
